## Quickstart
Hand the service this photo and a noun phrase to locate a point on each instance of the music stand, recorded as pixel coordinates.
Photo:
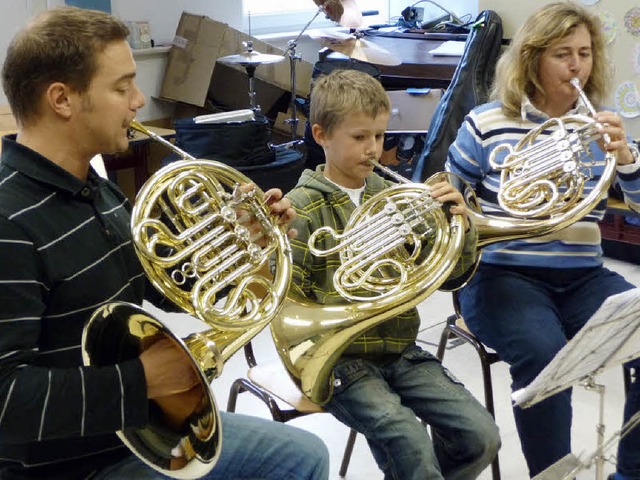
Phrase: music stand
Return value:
(610, 337)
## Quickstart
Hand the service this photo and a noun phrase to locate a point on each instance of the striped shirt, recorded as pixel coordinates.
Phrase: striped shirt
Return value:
(576, 246)
(319, 202)
(65, 249)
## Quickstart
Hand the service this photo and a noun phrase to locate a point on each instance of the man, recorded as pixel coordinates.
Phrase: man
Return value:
(65, 249)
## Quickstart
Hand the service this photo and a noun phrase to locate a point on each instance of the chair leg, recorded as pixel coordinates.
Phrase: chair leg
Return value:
(442, 345)
(347, 453)
(236, 388)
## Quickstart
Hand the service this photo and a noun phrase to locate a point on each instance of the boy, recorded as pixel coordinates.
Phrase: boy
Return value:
(384, 380)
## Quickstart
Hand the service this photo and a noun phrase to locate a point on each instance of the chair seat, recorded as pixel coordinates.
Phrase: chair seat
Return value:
(460, 323)
(274, 378)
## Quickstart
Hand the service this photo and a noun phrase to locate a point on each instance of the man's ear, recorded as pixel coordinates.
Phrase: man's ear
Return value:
(58, 100)
(319, 134)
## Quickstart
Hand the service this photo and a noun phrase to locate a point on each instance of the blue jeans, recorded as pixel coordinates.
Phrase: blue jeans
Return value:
(383, 401)
(527, 315)
(252, 448)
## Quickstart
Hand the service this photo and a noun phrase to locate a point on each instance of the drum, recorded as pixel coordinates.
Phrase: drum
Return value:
(327, 66)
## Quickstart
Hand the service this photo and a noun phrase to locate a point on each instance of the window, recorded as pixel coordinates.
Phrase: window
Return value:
(270, 16)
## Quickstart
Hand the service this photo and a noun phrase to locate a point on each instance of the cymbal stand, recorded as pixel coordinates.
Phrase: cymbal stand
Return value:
(293, 58)
(251, 70)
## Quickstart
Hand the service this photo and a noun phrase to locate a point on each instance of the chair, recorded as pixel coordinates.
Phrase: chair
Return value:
(457, 329)
(270, 382)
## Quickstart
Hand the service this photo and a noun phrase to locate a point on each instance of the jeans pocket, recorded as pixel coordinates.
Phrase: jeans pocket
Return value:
(413, 353)
(346, 372)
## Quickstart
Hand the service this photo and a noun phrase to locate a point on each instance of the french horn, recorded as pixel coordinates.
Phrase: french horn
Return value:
(385, 269)
(189, 234)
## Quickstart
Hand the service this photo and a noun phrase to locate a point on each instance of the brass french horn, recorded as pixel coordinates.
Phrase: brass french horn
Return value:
(188, 233)
(381, 248)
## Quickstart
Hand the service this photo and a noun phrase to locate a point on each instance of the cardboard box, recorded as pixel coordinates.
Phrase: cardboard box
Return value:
(7, 120)
(192, 70)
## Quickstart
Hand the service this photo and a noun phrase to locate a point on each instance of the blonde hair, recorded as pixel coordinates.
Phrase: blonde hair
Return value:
(343, 92)
(518, 70)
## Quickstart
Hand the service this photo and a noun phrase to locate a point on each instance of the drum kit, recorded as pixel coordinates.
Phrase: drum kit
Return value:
(353, 45)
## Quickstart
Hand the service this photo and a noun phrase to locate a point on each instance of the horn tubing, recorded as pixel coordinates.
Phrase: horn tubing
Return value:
(217, 250)
(311, 337)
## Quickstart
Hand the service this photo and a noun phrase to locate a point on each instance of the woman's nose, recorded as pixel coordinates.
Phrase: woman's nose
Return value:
(574, 63)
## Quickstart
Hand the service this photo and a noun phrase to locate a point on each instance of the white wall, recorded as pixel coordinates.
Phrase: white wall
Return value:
(620, 50)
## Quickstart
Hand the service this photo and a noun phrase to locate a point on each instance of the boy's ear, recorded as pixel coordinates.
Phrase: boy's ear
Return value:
(319, 134)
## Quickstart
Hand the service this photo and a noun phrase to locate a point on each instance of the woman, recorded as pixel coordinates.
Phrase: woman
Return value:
(529, 297)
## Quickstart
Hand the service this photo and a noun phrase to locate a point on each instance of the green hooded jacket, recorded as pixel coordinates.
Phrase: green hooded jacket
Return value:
(318, 203)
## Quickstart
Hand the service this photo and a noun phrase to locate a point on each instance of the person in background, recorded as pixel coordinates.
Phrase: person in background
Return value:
(66, 249)
(529, 297)
(385, 384)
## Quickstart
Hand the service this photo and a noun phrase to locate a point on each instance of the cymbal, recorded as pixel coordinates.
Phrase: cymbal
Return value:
(345, 12)
(363, 50)
(250, 58)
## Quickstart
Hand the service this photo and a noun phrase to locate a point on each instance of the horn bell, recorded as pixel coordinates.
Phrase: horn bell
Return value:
(189, 231)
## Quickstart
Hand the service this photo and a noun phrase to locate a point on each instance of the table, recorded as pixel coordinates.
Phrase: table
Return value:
(419, 68)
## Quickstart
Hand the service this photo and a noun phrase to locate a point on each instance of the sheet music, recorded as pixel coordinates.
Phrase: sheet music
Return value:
(450, 48)
(610, 337)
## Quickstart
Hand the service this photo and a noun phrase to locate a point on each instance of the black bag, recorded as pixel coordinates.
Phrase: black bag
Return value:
(243, 146)
(469, 87)
(239, 144)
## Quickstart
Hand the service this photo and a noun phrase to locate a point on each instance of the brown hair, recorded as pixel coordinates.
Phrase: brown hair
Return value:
(59, 45)
(517, 72)
(342, 92)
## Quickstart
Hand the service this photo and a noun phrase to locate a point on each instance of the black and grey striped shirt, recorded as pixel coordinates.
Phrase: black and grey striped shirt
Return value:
(65, 249)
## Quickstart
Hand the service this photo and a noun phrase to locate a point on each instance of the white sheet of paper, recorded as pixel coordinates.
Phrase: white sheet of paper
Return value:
(450, 48)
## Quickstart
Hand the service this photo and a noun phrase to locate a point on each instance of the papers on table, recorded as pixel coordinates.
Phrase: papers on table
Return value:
(450, 48)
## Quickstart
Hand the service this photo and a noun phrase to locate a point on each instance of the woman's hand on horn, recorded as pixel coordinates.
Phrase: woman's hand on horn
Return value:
(611, 125)
(445, 192)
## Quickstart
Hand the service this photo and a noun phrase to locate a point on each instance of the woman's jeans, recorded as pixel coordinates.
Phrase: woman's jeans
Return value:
(527, 315)
(252, 448)
(382, 402)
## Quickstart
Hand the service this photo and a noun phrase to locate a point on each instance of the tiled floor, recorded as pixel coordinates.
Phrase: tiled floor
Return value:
(463, 362)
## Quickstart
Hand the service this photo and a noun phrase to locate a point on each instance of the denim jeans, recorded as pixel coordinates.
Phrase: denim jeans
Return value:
(527, 315)
(252, 448)
(383, 401)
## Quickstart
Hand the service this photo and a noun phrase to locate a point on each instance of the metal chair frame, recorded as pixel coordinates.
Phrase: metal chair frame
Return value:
(453, 329)
(279, 414)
